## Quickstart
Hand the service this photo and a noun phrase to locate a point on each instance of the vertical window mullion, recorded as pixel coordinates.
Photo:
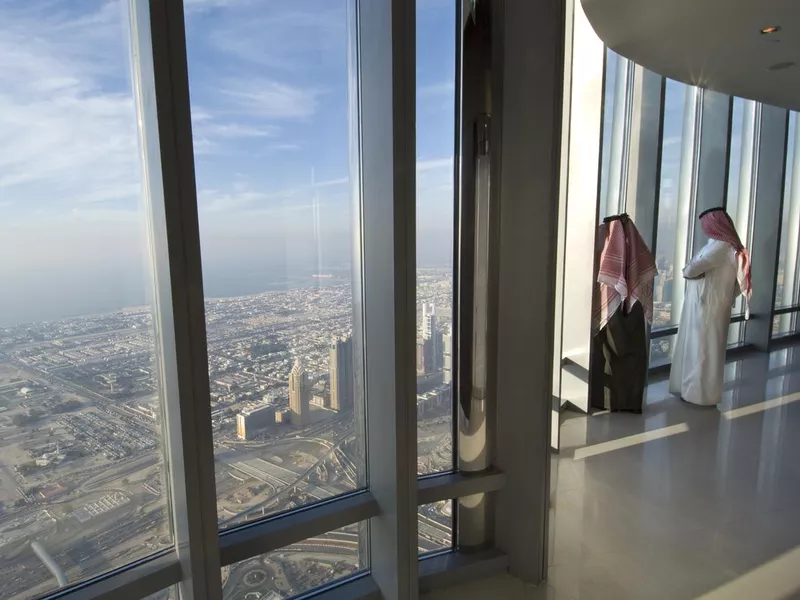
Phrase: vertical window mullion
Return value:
(387, 102)
(766, 201)
(686, 192)
(162, 84)
(791, 281)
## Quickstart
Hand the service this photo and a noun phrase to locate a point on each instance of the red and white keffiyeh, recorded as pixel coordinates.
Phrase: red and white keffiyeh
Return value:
(626, 272)
(718, 226)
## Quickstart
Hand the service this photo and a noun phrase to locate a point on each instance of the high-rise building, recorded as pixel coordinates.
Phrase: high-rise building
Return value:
(432, 339)
(299, 396)
(341, 373)
(253, 419)
(658, 287)
(428, 321)
(420, 358)
(447, 357)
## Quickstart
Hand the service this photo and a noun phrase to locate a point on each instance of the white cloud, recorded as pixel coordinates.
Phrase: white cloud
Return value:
(238, 130)
(285, 147)
(436, 163)
(288, 38)
(212, 201)
(245, 197)
(67, 116)
(272, 99)
(442, 88)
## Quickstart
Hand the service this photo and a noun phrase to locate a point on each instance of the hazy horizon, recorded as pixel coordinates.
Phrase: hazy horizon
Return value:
(269, 101)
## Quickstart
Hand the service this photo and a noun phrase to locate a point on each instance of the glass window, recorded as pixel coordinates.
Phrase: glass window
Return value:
(299, 568)
(435, 527)
(615, 142)
(80, 415)
(170, 593)
(675, 106)
(738, 196)
(609, 97)
(269, 90)
(435, 206)
(786, 292)
(661, 350)
(735, 160)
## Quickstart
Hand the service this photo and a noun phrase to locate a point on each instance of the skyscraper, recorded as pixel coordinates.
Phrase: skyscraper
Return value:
(340, 366)
(432, 339)
(428, 321)
(447, 359)
(299, 395)
(420, 357)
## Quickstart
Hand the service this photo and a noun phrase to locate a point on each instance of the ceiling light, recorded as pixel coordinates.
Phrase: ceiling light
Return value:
(770, 29)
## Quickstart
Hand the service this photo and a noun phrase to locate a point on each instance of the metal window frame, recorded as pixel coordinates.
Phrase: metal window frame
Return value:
(662, 332)
(387, 103)
(139, 579)
(285, 529)
(178, 295)
(687, 190)
(386, 99)
(643, 163)
(154, 573)
(614, 198)
(791, 292)
(703, 178)
(768, 197)
(529, 122)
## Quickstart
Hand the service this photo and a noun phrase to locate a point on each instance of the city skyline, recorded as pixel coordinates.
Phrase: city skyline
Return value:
(82, 412)
(81, 418)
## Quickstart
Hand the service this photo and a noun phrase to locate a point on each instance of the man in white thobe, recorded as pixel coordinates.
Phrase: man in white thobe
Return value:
(715, 277)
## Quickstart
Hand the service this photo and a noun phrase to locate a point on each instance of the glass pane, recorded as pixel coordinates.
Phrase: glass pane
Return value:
(435, 205)
(615, 125)
(435, 526)
(675, 106)
(269, 89)
(786, 292)
(661, 350)
(299, 568)
(80, 464)
(171, 593)
(735, 161)
(741, 199)
(612, 59)
(736, 192)
(784, 324)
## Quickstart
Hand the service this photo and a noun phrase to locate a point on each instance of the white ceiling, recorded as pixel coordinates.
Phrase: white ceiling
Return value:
(715, 44)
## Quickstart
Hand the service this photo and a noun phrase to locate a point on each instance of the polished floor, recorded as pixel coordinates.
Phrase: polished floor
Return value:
(684, 501)
(681, 502)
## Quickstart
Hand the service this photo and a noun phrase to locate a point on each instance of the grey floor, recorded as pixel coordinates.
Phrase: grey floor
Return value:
(680, 502)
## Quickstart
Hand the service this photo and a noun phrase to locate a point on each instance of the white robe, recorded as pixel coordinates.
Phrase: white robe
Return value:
(698, 362)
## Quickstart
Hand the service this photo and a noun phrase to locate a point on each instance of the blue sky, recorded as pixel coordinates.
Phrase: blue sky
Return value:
(268, 82)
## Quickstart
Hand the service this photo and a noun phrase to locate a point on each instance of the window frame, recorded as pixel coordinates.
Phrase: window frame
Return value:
(386, 88)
